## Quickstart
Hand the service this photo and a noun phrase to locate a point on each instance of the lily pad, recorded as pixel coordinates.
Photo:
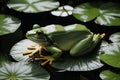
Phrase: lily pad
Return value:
(8, 24)
(22, 71)
(63, 11)
(115, 37)
(111, 54)
(109, 14)
(21, 46)
(109, 75)
(84, 63)
(85, 12)
(33, 6)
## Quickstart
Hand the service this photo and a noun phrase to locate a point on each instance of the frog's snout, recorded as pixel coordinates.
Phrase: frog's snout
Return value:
(29, 33)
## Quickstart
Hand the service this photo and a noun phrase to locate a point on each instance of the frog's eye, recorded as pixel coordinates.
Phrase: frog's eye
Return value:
(39, 33)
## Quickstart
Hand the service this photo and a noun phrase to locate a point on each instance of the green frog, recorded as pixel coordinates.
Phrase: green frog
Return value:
(75, 38)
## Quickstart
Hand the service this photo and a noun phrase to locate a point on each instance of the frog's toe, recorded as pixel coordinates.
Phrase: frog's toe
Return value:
(26, 53)
(30, 53)
(48, 59)
(31, 47)
(36, 49)
(102, 35)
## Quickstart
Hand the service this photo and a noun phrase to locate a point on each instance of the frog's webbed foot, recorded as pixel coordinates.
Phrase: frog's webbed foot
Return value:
(36, 49)
(101, 35)
(48, 59)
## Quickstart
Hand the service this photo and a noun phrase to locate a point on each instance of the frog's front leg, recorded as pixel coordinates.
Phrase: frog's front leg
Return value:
(56, 53)
(36, 49)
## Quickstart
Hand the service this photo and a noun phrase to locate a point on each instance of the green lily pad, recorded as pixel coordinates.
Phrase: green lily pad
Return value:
(115, 37)
(63, 11)
(111, 54)
(109, 75)
(33, 6)
(21, 46)
(8, 24)
(84, 63)
(109, 14)
(85, 12)
(22, 71)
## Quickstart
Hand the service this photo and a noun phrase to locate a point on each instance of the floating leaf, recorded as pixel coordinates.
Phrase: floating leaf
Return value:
(85, 12)
(8, 24)
(18, 48)
(109, 75)
(111, 54)
(63, 11)
(33, 6)
(22, 71)
(84, 63)
(115, 37)
(109, 14)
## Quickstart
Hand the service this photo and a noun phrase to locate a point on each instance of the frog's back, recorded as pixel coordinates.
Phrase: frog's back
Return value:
(66, 37)
(51, 29)
(76, 27)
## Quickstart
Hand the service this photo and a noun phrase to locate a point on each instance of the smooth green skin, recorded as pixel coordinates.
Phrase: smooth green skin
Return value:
(76, 38)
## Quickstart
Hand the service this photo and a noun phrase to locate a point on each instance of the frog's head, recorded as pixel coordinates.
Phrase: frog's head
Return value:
(36, 35)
